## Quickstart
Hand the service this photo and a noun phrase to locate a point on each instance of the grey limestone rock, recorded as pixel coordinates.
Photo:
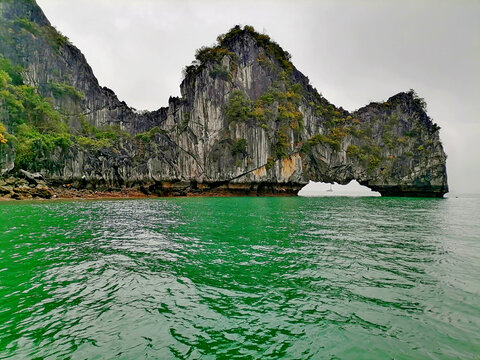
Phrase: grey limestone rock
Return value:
(247, 122)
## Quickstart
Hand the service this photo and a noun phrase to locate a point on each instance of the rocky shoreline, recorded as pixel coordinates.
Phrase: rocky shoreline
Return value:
(32, 186)
(20, 189)
(83, 194)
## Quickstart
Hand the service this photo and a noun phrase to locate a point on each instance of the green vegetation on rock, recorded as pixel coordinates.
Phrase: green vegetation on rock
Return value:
(238, 107)
(91, 143)
(239, 147)
(184, 123)
(262, 40)
(35, 127)
(60, 90)
(50, 34)
(281, 146)
(270, 163)
(321, 139)
(3, 134)
(216, 53)
(94, 138)
(277, 110)
(210, 55)
(221, 72)
(33, 148)
(353, 150)
(150, 134)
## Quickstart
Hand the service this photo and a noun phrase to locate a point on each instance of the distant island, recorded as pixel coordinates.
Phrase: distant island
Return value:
(247, 123)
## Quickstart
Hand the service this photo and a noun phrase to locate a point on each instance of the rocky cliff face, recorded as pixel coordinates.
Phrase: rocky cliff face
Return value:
(247, 121)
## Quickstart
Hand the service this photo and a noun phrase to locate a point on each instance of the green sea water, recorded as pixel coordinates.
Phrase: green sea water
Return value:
(241, 278)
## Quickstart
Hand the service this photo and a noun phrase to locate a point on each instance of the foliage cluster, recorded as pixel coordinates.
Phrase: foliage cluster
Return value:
(239, 147)
(91, 143)
(365, 148)
(282, 145)
(94, 138)
(353, 150)
(33, 147)
(420, 102)
(150, 134)
(36, 127)
(213, 55)
(270, 163)
(263, 40)
(32, 125)
(218, 51)
(221, 72)
(266, 63)
(60, 90)
(14, 73)
(51, 35)
(238, 107)
(276, 104)
(321, 139)
(277, 110)
(27, 25)
(3, 134)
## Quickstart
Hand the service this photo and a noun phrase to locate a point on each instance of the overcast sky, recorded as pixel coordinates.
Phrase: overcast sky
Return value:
(353, 52)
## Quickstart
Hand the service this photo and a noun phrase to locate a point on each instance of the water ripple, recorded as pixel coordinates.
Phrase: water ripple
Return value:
(262, 278)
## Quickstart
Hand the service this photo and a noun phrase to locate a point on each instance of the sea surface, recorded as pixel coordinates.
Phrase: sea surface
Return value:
(241, 278)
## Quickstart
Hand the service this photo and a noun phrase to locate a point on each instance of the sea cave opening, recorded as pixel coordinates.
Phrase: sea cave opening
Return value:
(353, 188)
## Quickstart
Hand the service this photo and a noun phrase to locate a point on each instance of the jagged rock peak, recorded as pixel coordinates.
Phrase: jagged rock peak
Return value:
(240, 44)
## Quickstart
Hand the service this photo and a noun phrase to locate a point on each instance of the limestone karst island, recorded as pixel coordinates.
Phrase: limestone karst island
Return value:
(178, 233)
(247, 122)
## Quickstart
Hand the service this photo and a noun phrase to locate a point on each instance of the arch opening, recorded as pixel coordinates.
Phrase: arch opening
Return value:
(352, 189)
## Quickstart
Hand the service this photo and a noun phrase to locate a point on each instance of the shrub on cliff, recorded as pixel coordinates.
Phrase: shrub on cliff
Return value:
(89, 143)
(321, 139)
(239, 147)
(32, 147)
(264, 41)
(353, 150)
(59, 90)
(239, 106)
(3, 133)
(220, 72)
(281, 146)
(149, 135)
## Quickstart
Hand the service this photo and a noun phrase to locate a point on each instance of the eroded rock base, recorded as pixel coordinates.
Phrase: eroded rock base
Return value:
(411, 191)
(28, 188)
(23, 189)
